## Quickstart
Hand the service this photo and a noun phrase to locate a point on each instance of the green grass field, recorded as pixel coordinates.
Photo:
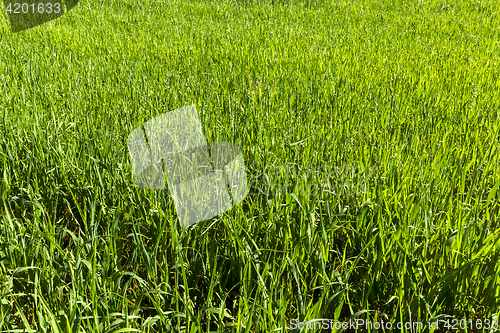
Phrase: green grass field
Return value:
(370, 133)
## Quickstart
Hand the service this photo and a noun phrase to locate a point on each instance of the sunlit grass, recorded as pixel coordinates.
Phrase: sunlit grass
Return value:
(369, 130)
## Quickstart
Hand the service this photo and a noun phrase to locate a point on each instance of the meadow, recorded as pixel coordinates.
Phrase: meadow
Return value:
(370, 132)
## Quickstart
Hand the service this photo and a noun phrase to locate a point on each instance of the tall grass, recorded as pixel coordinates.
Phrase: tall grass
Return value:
(369, 129)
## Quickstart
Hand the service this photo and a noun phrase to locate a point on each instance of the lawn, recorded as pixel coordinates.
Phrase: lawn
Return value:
(369, 130)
